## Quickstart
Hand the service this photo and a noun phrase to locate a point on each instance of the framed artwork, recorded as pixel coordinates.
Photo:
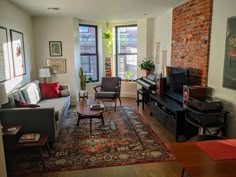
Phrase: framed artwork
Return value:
(57, 65)
(4, 57)
(164, 62)
(229, 77)
(157, 58)
(55, 48)
(18, 52)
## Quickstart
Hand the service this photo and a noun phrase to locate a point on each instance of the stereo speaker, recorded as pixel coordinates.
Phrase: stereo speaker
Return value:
(160, 86)
(193, 91)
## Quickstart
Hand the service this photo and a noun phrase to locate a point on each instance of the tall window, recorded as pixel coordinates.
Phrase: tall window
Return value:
(88, 51)
(126, 51)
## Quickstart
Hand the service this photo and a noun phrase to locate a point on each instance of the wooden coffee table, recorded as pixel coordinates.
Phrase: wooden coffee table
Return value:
(84, 112)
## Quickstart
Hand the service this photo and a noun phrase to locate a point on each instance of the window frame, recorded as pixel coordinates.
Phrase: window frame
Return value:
(116, 47)
(96, 54)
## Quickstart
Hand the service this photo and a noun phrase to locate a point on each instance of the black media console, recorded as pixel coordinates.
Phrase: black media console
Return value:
(169, 112)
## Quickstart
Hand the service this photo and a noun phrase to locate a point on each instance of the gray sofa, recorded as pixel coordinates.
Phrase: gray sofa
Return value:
(46, 118)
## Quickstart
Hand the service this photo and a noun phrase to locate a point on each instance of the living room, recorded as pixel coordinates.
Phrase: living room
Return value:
(39, 30)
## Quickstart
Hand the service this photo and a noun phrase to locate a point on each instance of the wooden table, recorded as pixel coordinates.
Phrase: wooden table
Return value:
(37, 145)
(198, 164)
(84, 112)
(6, 132)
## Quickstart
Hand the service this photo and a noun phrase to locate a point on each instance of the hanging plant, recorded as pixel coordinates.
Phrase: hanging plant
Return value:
(107, 35)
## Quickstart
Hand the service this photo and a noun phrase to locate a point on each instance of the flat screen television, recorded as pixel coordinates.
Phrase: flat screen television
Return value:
(177, 77)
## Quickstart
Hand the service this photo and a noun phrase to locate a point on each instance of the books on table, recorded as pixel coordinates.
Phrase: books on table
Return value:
(97, 106)
(29, 138)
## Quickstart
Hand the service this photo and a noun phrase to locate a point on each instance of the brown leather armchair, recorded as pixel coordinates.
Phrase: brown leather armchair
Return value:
(109, 89)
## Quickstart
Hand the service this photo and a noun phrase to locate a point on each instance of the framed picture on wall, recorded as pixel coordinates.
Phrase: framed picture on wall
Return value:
(229, 75)
(4, 57)
(57, 65)
(55, 48)
(18, 52)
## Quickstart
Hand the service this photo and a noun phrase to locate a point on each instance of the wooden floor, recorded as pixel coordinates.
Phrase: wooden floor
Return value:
(160, 169)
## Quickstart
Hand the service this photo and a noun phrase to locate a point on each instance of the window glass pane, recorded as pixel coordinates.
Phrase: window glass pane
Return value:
(89, 64)
(127, 39)
(127, 64)
(88, 51)
(126, 54)
(87, 40)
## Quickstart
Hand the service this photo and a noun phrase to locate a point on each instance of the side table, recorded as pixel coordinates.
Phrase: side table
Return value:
(11, 131)
(10, 136)
(43, 141)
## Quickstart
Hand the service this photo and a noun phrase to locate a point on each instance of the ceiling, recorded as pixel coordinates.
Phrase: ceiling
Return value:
(98, 10)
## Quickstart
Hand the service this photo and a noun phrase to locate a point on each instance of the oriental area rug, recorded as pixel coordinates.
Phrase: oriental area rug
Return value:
(125, 139)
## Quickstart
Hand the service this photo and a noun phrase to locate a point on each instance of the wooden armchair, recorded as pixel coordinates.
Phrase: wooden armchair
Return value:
(109, 89)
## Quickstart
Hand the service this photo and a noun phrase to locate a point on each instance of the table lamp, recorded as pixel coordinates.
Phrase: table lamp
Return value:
(44, 73)
(3, 95)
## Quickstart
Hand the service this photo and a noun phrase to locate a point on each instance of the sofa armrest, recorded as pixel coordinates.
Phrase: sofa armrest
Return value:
(33, 120)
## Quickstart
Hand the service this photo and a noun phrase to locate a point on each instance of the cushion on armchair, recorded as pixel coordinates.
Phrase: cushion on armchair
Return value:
(106, 95)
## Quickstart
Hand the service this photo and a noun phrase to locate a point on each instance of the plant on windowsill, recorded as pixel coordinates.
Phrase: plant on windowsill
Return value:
(128, 75)
(147, 64)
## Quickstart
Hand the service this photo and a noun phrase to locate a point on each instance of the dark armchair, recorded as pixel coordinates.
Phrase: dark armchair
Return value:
(109, 89)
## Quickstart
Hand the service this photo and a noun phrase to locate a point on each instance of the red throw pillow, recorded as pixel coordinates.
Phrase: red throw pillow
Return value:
(20, 103)
(49, 90)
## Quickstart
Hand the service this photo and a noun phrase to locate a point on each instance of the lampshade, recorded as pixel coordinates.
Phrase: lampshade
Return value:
(44, 72)
(3, 94)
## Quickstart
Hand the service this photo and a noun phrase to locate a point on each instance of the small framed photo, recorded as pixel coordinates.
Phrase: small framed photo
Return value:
(55, 48)
(56, 65)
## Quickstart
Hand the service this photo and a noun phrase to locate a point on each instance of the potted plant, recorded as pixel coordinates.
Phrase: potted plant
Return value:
(107, 36)
(148, 65)
(83, 91)
(128, 74)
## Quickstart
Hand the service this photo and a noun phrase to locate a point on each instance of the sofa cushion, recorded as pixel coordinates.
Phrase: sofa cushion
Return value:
(49, 90)
(64, 93)
(23, 104)
(31, 92)
(17, 95)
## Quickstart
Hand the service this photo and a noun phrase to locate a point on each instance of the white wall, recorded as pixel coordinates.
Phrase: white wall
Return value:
(163, 34)
(221, 11)
(12, 17)
(57, 29)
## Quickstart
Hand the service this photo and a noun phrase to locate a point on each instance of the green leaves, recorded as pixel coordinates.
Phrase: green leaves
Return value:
(147, 64)
(82, 79)
(107, 35)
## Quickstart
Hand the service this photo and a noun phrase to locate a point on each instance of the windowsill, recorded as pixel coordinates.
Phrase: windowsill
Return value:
(129, 82)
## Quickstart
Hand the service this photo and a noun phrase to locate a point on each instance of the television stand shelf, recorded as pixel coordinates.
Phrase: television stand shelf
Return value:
(168, 112)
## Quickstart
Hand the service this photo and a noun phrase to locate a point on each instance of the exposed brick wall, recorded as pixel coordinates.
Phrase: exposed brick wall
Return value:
(191, 38)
